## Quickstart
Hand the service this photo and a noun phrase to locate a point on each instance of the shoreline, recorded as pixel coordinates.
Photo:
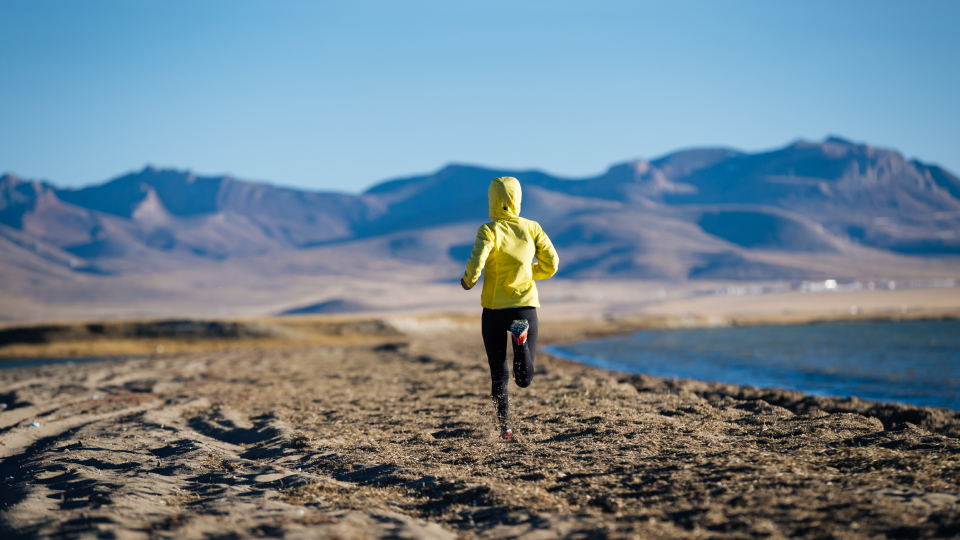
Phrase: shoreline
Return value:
(154, 337)
(363, 329)
(690, 353)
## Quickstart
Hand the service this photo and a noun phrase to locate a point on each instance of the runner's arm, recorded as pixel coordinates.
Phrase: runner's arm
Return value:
(478, 257)
(547, 259)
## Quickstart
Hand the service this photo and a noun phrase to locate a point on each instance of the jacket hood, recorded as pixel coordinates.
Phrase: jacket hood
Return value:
(504, 198)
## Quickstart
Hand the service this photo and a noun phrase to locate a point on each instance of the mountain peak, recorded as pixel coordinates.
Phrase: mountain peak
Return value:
(150, 209)
(838, 140)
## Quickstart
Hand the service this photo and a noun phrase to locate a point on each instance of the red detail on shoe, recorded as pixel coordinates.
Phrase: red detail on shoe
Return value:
(521, 339)
(506, 435)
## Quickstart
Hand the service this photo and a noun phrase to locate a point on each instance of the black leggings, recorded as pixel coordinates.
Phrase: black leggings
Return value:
(496, 323)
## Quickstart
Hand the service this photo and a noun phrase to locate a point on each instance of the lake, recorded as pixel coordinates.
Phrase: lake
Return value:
(13, 363)
(916, 362)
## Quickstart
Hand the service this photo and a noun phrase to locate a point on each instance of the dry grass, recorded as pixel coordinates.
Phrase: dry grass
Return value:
(181, 499)
(896, 462)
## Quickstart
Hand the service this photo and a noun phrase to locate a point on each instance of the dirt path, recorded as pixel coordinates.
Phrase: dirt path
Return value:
(396, 441)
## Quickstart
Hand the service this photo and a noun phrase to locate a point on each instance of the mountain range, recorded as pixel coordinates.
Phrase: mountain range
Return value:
(804, 211)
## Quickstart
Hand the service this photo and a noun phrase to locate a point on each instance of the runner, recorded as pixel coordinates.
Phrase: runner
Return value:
(504, 250)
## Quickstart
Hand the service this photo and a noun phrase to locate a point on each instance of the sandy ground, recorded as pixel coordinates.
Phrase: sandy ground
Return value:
(391, 437)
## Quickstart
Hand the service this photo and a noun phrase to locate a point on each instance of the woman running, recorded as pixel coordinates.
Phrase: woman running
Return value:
(504, 250)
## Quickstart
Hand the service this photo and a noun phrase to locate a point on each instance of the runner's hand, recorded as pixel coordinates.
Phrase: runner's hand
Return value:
(464, 285)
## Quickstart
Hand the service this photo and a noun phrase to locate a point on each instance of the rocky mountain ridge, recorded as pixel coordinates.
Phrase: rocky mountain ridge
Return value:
(704, 213)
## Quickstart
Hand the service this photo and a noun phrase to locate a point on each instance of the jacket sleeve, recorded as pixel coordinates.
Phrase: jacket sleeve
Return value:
(547, 259)
(482, 247)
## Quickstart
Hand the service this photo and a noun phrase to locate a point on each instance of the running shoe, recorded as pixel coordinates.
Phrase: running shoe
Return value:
(506, 435)
(519, 330)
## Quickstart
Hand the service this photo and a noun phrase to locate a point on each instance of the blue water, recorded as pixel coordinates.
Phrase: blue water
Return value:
(40, 362)
(915, 362)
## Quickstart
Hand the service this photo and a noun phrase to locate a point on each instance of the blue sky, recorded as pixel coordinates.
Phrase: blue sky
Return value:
(342, 95)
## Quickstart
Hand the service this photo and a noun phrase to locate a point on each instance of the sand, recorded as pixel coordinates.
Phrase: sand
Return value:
(390, 436)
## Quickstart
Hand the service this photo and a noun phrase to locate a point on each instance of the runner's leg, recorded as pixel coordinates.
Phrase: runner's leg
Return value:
(493, 329)
(524, 355)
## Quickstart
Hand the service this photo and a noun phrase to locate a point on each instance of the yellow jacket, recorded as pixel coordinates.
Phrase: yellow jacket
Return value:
(505, 249)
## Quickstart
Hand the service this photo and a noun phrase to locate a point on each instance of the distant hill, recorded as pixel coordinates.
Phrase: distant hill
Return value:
(807, 210)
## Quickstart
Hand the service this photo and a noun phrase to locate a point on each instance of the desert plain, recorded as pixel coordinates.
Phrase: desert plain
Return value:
(380, 426)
